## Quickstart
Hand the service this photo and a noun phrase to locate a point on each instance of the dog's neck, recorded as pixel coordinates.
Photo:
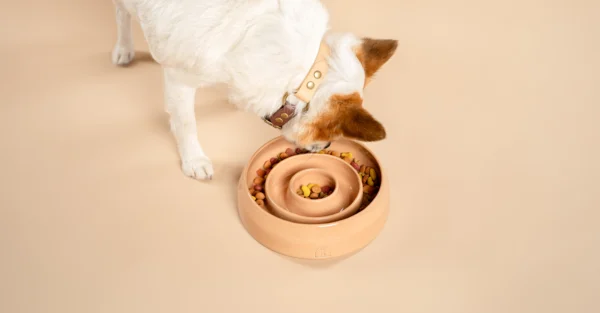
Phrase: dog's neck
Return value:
(304, 92)
(265, 65)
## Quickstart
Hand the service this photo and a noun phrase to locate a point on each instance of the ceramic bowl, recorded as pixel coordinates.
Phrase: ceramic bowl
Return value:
(300, 239)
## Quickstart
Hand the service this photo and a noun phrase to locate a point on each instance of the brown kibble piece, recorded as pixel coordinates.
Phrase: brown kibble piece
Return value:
(316, 189)
(258, 180)
(260, 196)
(260, 202)
(335, 154)
(252, 191)
(367, 189)
(362, 169)
(260, 172)
(314, 195)
(283, 155)
(364, 179)
(267, 165)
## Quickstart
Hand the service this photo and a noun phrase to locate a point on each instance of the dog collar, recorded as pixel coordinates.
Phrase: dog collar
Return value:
(305, 92)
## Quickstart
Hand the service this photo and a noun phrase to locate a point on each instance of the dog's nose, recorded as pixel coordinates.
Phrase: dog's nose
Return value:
(327, 145)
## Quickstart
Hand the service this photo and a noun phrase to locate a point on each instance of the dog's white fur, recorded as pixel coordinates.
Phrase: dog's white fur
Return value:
(259, 48)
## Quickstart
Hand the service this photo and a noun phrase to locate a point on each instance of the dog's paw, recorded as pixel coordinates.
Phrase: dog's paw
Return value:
(199, 168)
(122, 54)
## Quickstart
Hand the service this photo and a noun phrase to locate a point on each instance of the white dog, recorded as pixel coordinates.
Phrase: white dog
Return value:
(274, 55)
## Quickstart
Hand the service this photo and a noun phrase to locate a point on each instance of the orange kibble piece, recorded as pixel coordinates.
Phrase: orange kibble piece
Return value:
(260, 196)
(362, 169)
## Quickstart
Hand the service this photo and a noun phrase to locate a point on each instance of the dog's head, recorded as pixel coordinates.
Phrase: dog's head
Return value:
(336, 110)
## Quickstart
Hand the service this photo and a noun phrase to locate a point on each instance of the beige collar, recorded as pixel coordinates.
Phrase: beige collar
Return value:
(305, 92)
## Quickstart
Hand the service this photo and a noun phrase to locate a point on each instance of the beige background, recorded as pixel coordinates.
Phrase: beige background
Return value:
(492, 110)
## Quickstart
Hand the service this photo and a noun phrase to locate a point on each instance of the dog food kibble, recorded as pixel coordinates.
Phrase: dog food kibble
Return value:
(314, 191)
(305, 191)
(367, 174)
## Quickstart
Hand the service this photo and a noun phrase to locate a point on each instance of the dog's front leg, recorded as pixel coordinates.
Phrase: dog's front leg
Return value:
(179, 102)
(123, 52)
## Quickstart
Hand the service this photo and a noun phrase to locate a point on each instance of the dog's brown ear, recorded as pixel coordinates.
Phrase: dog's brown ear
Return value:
(359, 124)
(374, 53)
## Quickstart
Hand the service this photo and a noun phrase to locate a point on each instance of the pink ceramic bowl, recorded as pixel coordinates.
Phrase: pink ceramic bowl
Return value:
(306, 240)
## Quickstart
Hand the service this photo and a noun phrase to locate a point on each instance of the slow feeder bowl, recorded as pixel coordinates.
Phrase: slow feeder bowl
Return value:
(325, 170)
(315, 232)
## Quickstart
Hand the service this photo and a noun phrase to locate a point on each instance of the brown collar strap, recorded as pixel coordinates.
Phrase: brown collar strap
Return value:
(305, 92)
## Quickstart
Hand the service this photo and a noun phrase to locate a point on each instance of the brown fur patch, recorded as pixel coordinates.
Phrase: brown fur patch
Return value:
(346, 117)
(373, 53)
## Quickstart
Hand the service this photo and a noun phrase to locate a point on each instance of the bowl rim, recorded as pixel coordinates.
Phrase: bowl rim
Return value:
(350, 219)
(339, 214)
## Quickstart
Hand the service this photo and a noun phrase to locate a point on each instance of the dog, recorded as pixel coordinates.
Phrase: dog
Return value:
(277, 58)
